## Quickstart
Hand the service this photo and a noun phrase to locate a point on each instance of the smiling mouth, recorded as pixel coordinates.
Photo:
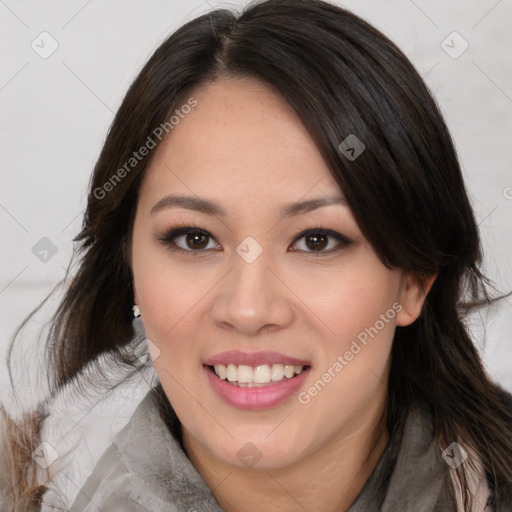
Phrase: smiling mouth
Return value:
(256, 376)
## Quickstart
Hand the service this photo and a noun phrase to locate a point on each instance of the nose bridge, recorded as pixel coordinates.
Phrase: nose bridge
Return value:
(251, 296)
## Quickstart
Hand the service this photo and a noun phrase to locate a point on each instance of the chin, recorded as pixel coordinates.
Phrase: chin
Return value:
(258, 453)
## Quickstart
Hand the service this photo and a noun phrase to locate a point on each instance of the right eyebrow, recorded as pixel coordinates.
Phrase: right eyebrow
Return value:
(190, 203)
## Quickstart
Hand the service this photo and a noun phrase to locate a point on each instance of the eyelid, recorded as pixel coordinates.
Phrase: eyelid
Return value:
(173, 232)
(342, 240)
(167, 238)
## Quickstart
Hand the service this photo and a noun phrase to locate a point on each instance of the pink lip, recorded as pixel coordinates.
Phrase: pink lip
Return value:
(254, 359)
(256, 398)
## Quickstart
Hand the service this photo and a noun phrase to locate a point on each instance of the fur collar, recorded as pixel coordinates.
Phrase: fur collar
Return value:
(84, 416)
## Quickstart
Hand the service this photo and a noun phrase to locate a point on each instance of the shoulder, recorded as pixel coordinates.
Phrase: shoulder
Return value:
(476, 483)
(111, 487)
(475, 474)
(115, 484)
(145, 469)
(19, 485)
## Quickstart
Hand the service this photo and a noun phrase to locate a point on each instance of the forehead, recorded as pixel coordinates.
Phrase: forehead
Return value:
(241, 142)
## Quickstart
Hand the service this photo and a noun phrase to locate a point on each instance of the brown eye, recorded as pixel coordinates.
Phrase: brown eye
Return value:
(320, 241)
(317, 242)
(188, 239)
(196, 240)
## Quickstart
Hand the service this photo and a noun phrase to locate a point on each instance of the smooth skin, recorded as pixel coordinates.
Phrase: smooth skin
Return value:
(244, 148)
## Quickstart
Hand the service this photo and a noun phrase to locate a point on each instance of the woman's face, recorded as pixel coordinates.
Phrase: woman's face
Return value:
(247, 294)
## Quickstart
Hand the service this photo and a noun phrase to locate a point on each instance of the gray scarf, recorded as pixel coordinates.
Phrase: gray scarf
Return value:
(146, 469)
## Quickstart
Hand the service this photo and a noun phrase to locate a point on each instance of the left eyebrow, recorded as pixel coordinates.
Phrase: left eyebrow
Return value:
(208, 207)
(303, 207)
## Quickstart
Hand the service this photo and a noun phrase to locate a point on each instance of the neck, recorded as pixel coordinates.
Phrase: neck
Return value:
(327, 481)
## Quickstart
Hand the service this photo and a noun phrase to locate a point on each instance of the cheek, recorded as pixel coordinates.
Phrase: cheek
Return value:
(354, 310)
(349, 300)
(167, 307)
(173, 303)
(168, 292)
(166, 301)
(353, 361)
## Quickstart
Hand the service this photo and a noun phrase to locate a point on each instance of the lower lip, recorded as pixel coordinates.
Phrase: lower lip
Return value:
(256, 398)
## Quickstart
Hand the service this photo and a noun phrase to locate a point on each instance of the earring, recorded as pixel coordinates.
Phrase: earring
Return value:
(136, 311)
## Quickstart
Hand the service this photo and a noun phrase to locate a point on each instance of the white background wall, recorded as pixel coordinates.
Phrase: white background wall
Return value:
(55, 113)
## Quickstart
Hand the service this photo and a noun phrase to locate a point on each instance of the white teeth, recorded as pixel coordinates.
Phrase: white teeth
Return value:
(246, 375)
(231, 373)
(221, 371)
(289, 371)
(261, 374)
(277, 372)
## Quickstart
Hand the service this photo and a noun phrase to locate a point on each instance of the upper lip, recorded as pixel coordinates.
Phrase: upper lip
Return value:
(254, 359)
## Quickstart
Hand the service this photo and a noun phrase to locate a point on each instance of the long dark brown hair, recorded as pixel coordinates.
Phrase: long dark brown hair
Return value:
(406, 191)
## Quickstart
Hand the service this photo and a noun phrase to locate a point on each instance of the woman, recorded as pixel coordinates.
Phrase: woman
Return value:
(280, 206)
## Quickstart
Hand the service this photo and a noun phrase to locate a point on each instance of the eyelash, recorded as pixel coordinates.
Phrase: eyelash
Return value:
(172, 233)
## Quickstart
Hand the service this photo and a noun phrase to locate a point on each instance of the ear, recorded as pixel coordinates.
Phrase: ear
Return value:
(413, 296)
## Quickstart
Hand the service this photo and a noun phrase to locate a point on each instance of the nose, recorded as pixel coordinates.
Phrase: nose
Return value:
(251, 299)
